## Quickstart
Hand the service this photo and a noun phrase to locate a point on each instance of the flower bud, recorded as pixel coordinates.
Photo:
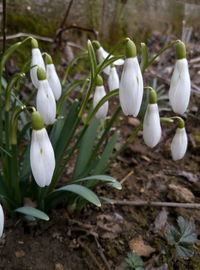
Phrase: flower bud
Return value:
(131, 83)
(98, 95)
(180, 86)
(52, 77)
(42, 157)
(102, 54)
(45, 101)
(1, 220)
(179, 142)
(113, 79)
(151, 125)
(36, 60)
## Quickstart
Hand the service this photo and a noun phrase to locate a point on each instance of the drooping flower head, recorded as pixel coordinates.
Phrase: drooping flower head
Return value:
(113, 79)
(179, 142)
(180, 86)
(45, 101)
(102, 54)
(52, 77)
(98, 95)
(36, 60)
(131, 83)
(1, 220)
(42, 157)
(151, 125)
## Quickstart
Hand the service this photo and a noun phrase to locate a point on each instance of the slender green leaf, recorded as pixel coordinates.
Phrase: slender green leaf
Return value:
(63, 138)
(81, 191)
(145, 56)
(105, 178)
(92, 58)
(103, 162)
(116, 185)
(30, 211)
(86, 148)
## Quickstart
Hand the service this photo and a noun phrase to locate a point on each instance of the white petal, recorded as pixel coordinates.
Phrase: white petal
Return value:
(36, 60)
(113, 79)
(131, 87)
(45, 102)
(1, 220)
(151, 126)
(42, 157)
(180, 87)
(102, 54)
(179, 144)
(54, 81)
(98, 95)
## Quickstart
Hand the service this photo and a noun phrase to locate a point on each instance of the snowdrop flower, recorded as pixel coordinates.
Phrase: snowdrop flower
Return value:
(1, 220)
(98, 95)
(151, 124)
(42, 157)
(36, 60)
(131, 83)
(180, 87)
(45, 101)
(52, 77)
(102, 54)
(179, 142)
(113, 79)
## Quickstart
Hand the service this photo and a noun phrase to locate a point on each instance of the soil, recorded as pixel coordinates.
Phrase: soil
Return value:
(100, 238)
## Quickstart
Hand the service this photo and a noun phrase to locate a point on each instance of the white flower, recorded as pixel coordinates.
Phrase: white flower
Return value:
(1, 220)
(131, 87)
(180, 87)
(102, 54)
(36, 60)
(53, 80)
(179, 144)
(113, 79)
(98, 95)
(151, 126)
(42, 157)
(45, 102)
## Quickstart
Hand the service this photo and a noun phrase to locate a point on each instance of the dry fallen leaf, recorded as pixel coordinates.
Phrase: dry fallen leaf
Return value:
(138, 246)
(20, 253)
(59, 266)
(160, 220)
(180, 194)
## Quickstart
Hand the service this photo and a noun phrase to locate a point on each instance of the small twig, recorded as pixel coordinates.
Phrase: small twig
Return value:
(90, 253)
(100, 251)
(126, 177)
(18, 35)
(81, 28)
(159, 204)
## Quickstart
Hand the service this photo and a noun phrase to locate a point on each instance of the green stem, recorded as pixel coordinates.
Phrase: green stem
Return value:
(159, 53)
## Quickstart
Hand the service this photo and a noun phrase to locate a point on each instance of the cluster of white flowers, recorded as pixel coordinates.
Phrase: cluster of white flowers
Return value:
(131, 94)
(46, 80)
(1, 220)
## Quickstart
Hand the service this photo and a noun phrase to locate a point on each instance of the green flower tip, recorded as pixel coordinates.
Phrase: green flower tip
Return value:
(96, 44)
(130, 48)
(34, 43)
(181, 123)
(37, 121)
(41, 74)
(48, 59)
(180, 50)
(152, 97)
(99, 81)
